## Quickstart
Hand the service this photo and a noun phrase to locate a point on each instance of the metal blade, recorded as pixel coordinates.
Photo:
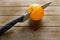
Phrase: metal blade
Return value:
(46, 5)
(26, 16)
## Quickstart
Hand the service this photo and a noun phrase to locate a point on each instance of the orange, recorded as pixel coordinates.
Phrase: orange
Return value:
(37, 12)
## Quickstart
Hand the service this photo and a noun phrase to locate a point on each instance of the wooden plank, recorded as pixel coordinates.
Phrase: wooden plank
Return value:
(44, 33)
(27, 2)
(5, 19)
(46, 21)
(12, 11)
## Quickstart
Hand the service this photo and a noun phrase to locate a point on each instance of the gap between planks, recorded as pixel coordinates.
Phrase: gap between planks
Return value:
(30, 26)
(28, 5)
(18, 11)
(46, 21)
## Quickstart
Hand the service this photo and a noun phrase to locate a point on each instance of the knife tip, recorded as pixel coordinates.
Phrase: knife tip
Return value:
(46, 5)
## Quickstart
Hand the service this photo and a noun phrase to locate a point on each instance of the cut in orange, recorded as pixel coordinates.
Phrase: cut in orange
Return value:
(37, 12)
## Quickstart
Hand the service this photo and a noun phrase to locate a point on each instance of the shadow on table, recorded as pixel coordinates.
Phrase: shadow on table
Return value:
(35, 25)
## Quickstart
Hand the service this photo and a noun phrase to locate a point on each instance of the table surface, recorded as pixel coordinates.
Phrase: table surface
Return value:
(49, 26)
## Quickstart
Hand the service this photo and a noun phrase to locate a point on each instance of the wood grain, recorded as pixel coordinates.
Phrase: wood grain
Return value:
(49, 25)
(46, 21)
(44, 33)
(27, 2)
(15, 11)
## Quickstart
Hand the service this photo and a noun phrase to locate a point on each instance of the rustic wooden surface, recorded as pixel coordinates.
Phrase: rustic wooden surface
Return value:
(49, 25)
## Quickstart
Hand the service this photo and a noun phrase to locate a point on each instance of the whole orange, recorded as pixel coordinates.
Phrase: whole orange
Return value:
(37, 12)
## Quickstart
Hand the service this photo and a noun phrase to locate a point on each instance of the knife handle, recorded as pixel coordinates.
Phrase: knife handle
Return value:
(10, 24)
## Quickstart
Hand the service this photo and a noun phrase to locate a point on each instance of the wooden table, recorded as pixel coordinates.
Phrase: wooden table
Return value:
(49, 25)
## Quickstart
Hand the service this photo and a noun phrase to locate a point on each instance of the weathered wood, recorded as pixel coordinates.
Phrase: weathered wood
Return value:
(12, 11)
(44, 33)
(5, 19)
(46, 21)
(27, 2)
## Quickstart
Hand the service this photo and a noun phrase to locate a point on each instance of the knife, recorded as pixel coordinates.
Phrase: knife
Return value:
(23, 18)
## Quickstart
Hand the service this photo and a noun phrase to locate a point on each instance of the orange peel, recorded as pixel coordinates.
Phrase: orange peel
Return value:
(37, 12)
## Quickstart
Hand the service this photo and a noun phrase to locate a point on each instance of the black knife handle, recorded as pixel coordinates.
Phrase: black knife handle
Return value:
(10, 24)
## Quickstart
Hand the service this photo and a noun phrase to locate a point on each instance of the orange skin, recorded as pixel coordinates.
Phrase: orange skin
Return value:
(37, 12)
